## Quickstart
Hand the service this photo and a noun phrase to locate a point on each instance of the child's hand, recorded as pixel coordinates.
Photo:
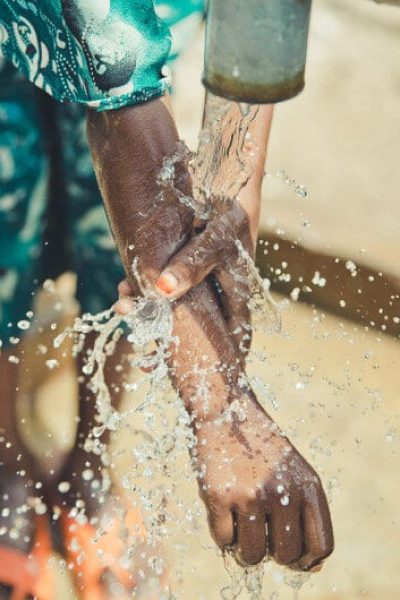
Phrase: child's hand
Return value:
(262, 497)
(213, 249)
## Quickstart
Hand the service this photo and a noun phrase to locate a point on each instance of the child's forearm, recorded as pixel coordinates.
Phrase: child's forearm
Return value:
(128, 148)
(247, 470)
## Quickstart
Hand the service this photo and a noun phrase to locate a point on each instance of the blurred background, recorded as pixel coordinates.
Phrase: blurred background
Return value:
(329, 243)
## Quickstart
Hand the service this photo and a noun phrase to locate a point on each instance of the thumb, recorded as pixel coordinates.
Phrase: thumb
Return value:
(191, 265)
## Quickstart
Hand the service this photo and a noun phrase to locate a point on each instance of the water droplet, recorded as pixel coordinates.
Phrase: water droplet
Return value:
(64, 487)
(52, 363)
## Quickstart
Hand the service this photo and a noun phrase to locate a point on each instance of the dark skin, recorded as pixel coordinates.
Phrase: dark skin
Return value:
(252, 474)
(245, 463)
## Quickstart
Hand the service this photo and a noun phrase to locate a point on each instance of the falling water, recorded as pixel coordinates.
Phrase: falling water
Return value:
(159, 428)
(220, 169)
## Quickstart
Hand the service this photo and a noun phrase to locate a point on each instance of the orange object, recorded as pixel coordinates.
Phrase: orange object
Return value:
(91, 552)
(29, 574)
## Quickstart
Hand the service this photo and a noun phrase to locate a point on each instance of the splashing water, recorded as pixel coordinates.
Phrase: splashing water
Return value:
(220, 169)
(249, 579)
(222, 166)
(296, 582)
(155, 474)
(298, 188)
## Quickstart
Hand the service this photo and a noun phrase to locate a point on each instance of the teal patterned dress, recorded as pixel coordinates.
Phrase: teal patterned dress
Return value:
(101, 54)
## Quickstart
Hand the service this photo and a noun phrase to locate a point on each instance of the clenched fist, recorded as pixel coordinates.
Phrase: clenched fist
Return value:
(262, 497)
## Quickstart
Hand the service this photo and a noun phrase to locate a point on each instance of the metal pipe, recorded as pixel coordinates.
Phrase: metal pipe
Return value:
(256, 49)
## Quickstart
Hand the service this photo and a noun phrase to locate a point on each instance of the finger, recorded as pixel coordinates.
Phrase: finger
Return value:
(191, 265)
(220, 522)
(235, 296)
(127, 292)
(285, 535)
(318, 532)
(126, 289)
(124, 306)
(251, 538)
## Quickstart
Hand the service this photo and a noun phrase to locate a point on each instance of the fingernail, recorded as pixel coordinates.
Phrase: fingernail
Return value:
(167, 283)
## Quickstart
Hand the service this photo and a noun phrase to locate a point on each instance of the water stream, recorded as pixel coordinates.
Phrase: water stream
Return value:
(220, 169)
(157, 469)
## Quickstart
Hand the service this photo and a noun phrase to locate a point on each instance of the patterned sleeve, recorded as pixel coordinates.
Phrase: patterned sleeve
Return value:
(102, 53)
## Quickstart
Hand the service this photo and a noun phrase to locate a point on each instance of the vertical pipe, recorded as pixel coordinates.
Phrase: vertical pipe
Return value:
(256, 49)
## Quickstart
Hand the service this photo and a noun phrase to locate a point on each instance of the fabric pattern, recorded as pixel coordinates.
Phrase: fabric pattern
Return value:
(28, 119)
(102, 53)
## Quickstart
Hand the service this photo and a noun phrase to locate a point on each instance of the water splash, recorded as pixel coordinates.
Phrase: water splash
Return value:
(222, 165)
(248, 579)
(220, 169)
(298, 188)
(296, 582)
(264, 310)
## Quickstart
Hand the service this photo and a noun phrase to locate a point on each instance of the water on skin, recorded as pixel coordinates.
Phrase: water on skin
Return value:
(219, 169)
(155, 473)
(224, 148)
(222, 165)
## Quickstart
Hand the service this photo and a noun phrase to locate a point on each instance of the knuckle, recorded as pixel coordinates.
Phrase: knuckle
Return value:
(246, 501)
(312, 488)
(189, 266)
(314, 482)
(182, 267)
(283, 496)
(213, 236)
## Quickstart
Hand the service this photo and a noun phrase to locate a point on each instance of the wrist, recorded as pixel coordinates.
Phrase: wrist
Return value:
(243, 410)
(128, 147)
(235, 404)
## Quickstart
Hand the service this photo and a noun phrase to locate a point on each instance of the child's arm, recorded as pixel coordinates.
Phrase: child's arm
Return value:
(249, 468)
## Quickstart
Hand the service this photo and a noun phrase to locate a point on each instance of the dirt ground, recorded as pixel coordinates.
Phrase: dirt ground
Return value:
(337, 385)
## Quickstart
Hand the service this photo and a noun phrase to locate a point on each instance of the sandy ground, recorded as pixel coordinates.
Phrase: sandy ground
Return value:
(337, 385)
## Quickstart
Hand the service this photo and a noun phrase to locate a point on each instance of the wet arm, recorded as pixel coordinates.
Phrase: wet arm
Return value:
(240, 461)
(128, 148)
